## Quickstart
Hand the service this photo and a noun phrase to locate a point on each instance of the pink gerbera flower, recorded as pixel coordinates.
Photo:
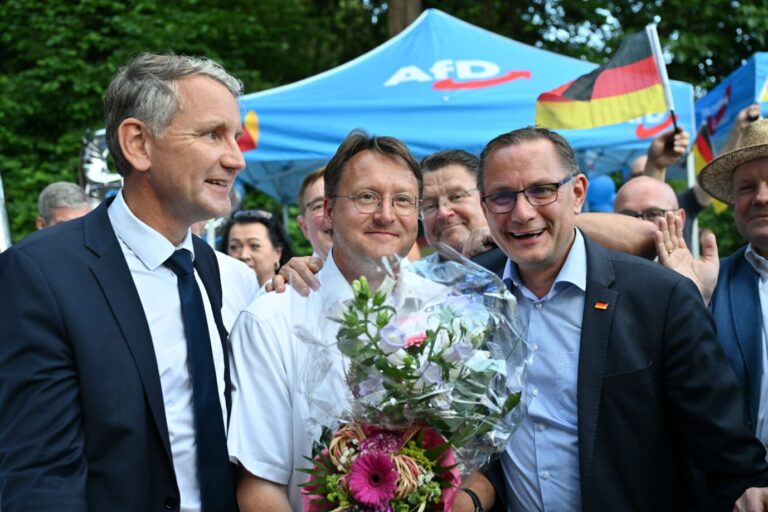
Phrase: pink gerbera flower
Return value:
(415, 340)
(372, 479)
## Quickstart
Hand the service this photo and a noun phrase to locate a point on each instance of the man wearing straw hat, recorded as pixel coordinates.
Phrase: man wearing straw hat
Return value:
(740, 300)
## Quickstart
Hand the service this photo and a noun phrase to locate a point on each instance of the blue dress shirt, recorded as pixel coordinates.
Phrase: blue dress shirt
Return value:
(541, 461)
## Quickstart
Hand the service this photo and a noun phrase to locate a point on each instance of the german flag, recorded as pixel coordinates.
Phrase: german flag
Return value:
(702, 155)
(627, 86)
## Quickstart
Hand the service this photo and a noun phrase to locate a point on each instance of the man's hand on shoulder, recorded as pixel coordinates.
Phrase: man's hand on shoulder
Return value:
(478, 242)
(299, 272)
(754, 499)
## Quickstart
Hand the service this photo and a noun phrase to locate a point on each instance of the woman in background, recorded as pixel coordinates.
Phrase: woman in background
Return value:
(257, 238)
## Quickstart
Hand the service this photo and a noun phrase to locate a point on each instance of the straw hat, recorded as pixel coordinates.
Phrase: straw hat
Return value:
(717, 176)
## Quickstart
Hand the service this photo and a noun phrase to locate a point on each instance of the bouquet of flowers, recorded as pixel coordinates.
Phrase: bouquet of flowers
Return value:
(434, 366)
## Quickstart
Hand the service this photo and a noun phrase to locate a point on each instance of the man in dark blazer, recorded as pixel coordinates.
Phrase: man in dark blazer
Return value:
(740, 178)
(628, 383)
(96, 387)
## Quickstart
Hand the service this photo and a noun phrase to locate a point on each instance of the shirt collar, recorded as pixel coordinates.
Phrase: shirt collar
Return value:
(573, 271)
(150, 247)
(759, 263)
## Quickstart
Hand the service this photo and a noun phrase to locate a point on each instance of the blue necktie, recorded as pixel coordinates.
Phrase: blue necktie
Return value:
(213, 469)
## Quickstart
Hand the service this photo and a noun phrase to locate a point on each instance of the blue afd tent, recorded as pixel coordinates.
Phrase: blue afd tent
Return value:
(744, 86)
(442, 83)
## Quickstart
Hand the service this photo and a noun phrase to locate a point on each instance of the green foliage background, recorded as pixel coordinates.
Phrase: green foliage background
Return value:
(57, 57)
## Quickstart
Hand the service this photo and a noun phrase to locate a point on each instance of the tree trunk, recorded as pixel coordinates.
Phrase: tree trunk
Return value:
(401, 13)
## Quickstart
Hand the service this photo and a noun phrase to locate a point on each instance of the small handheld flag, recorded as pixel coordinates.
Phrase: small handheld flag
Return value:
(629, 85)
(702, 155)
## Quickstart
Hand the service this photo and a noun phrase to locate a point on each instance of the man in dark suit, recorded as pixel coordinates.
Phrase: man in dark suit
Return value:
(102, 379)
(739, 303)
(628, 382)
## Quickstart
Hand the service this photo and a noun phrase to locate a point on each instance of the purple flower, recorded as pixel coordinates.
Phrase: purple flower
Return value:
(392, 339)
(431, 373)
(383, 441)
(459, 351)
(371, 384)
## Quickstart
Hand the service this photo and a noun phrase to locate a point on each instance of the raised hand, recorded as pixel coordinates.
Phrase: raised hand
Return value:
(674, 254)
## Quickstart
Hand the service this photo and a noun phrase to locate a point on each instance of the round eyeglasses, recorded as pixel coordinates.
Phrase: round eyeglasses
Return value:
(430, 206)
(369, 202)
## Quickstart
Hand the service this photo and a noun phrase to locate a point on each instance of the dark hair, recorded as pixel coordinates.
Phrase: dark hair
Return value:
(437, 161)
(277, 235)
(528, 134)
(358, 141)
(309, 179)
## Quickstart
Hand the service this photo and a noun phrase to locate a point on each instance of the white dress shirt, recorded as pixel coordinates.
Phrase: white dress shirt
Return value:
(239, 286)
(760, 264)
(288, 375)
(145, 251)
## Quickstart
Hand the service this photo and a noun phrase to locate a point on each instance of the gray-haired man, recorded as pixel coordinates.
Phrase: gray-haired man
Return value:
(111, 398)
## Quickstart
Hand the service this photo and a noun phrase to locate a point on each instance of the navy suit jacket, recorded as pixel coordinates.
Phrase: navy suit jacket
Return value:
(83, 423)
(739, 321)
(655, 394)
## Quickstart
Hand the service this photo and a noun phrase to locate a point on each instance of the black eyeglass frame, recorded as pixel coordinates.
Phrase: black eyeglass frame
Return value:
(648, 214)
(514, 193)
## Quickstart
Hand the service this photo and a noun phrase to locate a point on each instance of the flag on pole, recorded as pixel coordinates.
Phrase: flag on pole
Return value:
(629, 85)
(762, 96)
(702, 155)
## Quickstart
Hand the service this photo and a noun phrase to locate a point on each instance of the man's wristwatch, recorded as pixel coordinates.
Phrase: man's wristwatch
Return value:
(475, 499)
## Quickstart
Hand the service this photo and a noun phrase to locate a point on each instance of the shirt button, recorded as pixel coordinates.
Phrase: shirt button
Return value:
(546, 475)
(539, 426)
(535, 347)
(535, 391)
(538, 305)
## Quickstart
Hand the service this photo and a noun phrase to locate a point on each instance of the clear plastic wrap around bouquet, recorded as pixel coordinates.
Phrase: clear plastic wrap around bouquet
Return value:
(434, 363)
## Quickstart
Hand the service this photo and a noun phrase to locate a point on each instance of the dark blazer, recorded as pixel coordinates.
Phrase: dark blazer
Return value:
(82, 420)
(654, 393)
(739, 321)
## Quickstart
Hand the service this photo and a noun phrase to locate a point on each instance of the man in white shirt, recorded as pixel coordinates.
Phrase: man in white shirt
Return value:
(372, 186)
(114, 380)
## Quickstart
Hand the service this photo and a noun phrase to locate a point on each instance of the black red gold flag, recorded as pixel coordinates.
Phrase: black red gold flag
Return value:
(627, 86)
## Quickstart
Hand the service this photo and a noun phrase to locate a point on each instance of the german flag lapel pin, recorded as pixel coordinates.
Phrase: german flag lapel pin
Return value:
(602, 306)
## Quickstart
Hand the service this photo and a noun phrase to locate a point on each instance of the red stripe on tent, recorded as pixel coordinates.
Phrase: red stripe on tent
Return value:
(450, 84)
(626, 79)
(642, 132)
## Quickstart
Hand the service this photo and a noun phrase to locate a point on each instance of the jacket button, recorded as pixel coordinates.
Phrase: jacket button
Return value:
(171, 503)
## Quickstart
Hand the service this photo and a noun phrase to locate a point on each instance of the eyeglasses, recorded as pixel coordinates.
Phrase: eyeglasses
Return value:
(369, 202)
(648, 214)
(251, 215)
(315, 205)
(537, 195)
(430, 206)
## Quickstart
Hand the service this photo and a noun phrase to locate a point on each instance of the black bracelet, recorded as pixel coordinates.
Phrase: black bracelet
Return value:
(475, 499)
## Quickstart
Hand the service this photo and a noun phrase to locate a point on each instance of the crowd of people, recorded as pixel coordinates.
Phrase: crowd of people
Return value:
(141, 370)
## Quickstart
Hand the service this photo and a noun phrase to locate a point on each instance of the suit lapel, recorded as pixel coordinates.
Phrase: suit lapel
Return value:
(747, 317)
(112, 273)
(595, 336)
